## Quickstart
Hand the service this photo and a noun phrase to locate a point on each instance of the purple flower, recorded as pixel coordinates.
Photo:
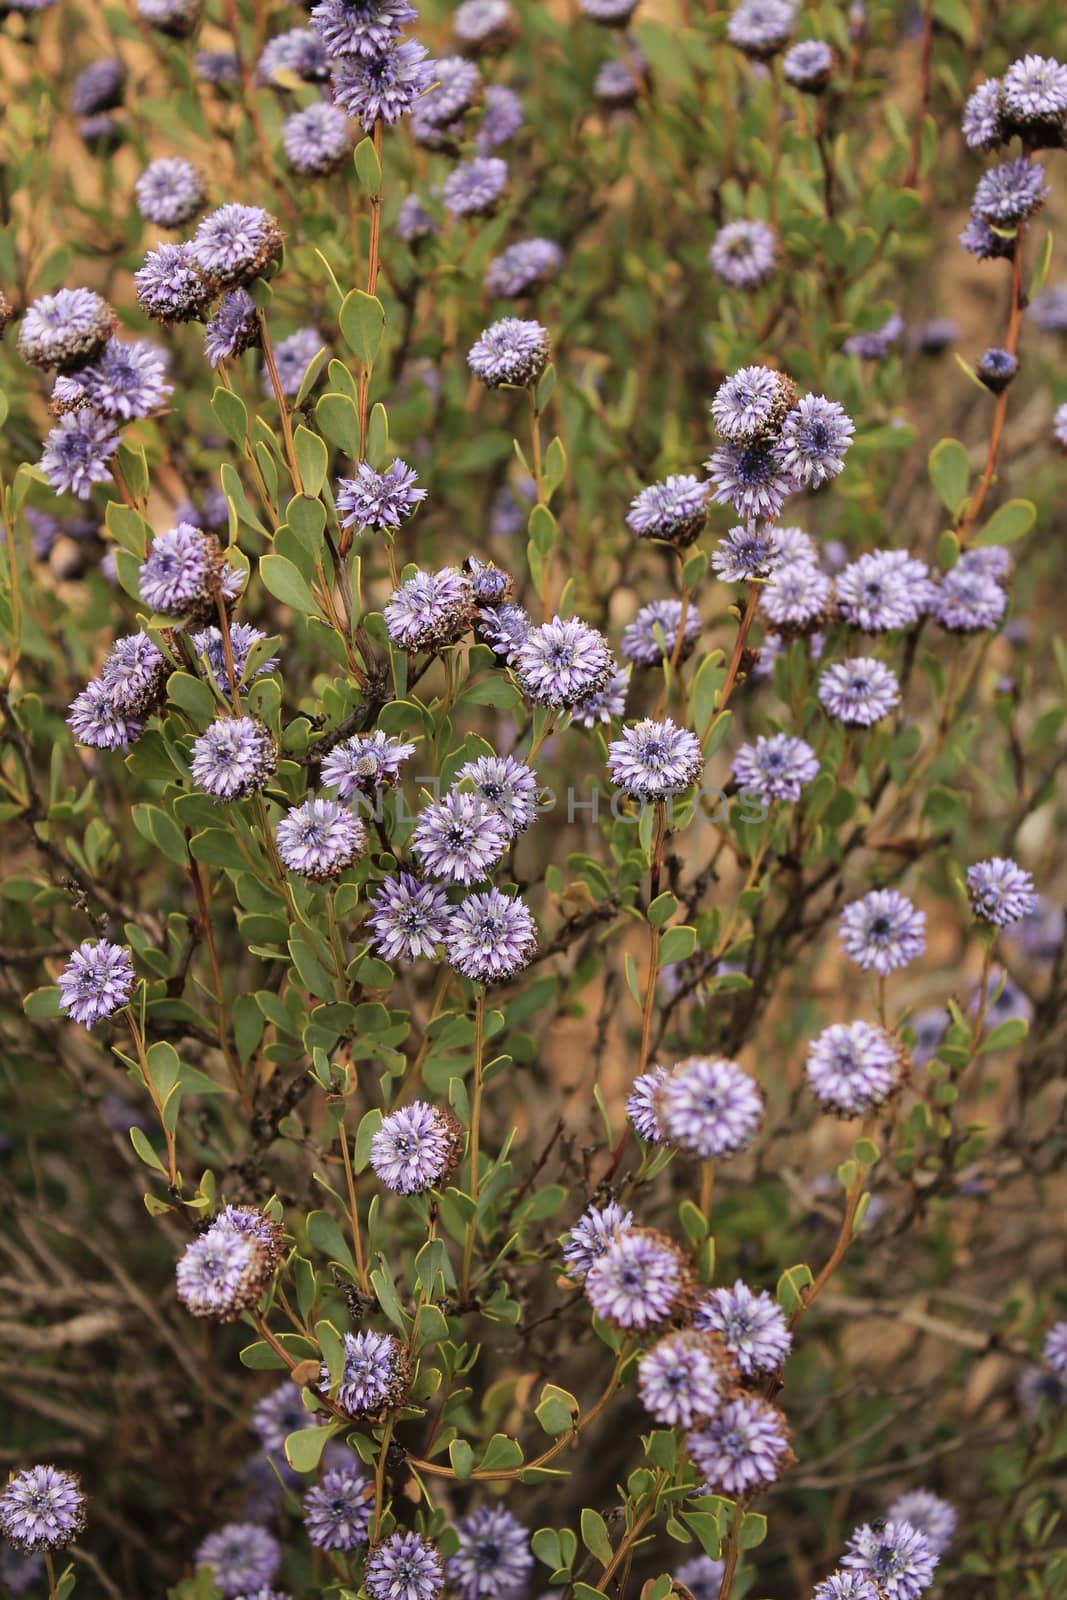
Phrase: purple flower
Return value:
(1034, 91)
(639, 1281)
(177, 18)
(562, 662)
(814, 440)
(416, 1148)
(502, 117)
(365, 763)
(775, 767)
(242, 1556)
(503, 629)
(378, 499)
(42, 1508)
(846, 1586)
(292, 357)
(935, 335)
(97, 980)
(413, 221)
(78, 452)
(95, 719)
(297, 53)
(702, 1577)
(222, 1273)
(859, 692)
(235, 758)
(709, 1107)
(743, 1449)
(320, 839)
(683, 1378)
(753, 1326)
(1000, 891)
(642, 1105)
(491, 585)
(969, 600)
(337, 1511)
(853, 1068)
(675, 510)
(761, 28)
(751, 478)
(809, 66)
(523, 267)
(361, 27)
(233, 329)
(181, 571)
(375, 1376)
(983, 117)
(279, 1414)
(511, 351)
(996, 368)
(609, 13)
(1040, 932)
(168, 286)
(797, 596)
(430, 610)
(984, 244)
(884, 590)
(133, 673)
(639, 641)
(745, 254)
(882, 932)
(895, 1555)
(457, 86)
(232, 245)
(1009, 194)
(404, 1567)
(490, 937)
(98, 87)
(605, 703)
(383, 87)
(410, 919)
(933, 1517)
(505, 786)
(618, 83)
(459, 838)
(1059, 426)
(493, 1561)
(747, 554)
(591, 1235)
(169, 192)
(875, 345)
(317, 140)
(752, 404)
(484, 24)
(1004, 999)
(124, 382)
(653, 759)
(23, 1570)
(1049, 309)
(217, 67)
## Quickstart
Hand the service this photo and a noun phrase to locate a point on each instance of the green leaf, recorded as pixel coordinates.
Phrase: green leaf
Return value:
(43, 1002)
(1006, 1035)
(677, 944)
(791, 1286)
(287, 584)
(502, 1454)
(950, 472)
(303, 1449)
(217, 848)
(362, 319)
(1010, 522)
(192, 695)
(338, 419)
(662, 909)
(753, 1530)
(595, 1535)
(232, 414)
(312, 457)
(326, 1236)
(459, 1451)
(378, 436)
(140, 1143)
(556, 1411)
(368, 167)
(159, 829)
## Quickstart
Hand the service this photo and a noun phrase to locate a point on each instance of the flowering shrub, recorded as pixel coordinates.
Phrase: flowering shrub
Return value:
(531, 730)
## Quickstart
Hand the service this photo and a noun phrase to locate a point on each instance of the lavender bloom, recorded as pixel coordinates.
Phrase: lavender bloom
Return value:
(124, 382)
(252, 1223)
(484, 25)
(493, 1561)
(217, 67)
(1034, 92)
(809, 66)
(133, 673)
(980, 240)
(365, 763)
(168, 286)
(761, 28)
(709, 1107)
(502, 117)
(1040, 933)
(1048, 309)
(775, 767)
(643, 1105)
(95, 720)
(752, 404)
(603, 704)
(279, 1414)
(523, 266)
(242, 1556)
(846, 1586)
(177, 18)
(859, 692)
(653, 759)
(98, 87)
(169, 192)
(235, 758)
(385, 87)
(320, 839)
(751, 477)
(562, 662)
(853, 1068)
(459, 839)
(876, 345)
(1054, 1351)
(292, 357)
(410, 919)
(510, 351)
(814, 440)
(505, 786)
(416, 1148)
(457, 86)
(745, 254)
(675, 510)
(430, 610)
(1039, 1387)
(609, 13)
(222, 1273)
(701, 1576)
(983, 117)
(97, 980)
(78, 452)
(1000, 891)
(233, 329)
(375, 1377)
(743, 1449)
(591, 1235)
(1059, 426)
(969, 600)
(297, 53)
(895, 1555)
(337, 1511)
(404, 1567)
(378, 499)
(683, 1378)
(317, 140)
(797, 597)
(181, 571)
(639, 641)
(490, 937)
(1009, 194)
(933, 1517)
(618, 83)
(935, 335)
(22, 1570)
(882, 932)
(752, 1326)
(639, 1281)
(414, 222)
(234, 244)
(996, 369)
(361, 27)
(747, 554)
(42, 1508)
(884, 590)
(503, 629)
(492, 586)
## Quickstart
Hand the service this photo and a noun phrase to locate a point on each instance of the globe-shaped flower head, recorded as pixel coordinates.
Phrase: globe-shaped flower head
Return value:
(416, 1148)
(797, 598)
(502, 117)
(65, 329)
(292, 357)
(743, 1449)
(493, 1561)
(320, 839)
(674, 510)
(744, 254)
(752, 404)
(643, 1105)
(591, 1235)
(97, 979)
(473, 188)
(751, 478)
(337, 1511)
(709, 1107)
(409, 919)
(510, 351)
(747, 554)
(364, 764)
(234, 244)
(98, 87)
(430, 609)
(405, 1566)
(561, 662)
(684, 1377)
(776, 767)
(236, 757)
(296, 53)
(640, 1281)
(181, 575)
(853, 1068)
(317, 140)
(223, 1272)
(490, 937)
(242, 1556)
(761, 28)
(484, 26)
(459, 839)
(380, 500)
(752, 1326)
(96, 719)
(809, 66)
(523, 267)
(933, 1517)
(169, 287)
(1001, 892)
(1034, 97)
(652, 760)
(641, 642)
(503, 785)
(78, 453)
(884, 590)
(895, 1555)
(983, 117)
(124, 382)
(375, 1376)
(176, 18)
(385, 87)
(1011, 193)
(883, 931)
(969, 600)
(42, 1508)
(859, 692)
(361, 27)
(169, 192)
(814, 440)
(134, 673)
